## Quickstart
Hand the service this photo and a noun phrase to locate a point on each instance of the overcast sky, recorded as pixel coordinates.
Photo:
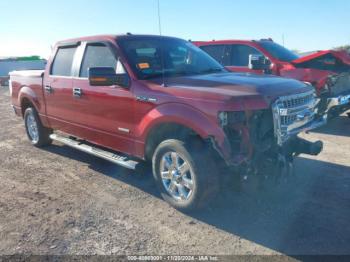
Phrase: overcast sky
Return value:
(31, 27)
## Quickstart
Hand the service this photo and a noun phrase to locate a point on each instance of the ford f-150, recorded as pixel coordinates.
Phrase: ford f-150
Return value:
(328, 71)
(132, 98)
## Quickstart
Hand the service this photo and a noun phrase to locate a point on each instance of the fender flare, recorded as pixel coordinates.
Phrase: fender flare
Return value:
(27, 93)
(189, 117)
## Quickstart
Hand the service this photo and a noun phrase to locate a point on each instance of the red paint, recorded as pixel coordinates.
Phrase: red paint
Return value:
(287, 69)
(193, 102)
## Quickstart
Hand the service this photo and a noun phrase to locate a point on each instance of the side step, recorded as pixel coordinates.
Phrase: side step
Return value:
(80, 145)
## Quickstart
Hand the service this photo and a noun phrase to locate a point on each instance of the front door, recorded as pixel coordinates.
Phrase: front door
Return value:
(105, 112)
(239, 58)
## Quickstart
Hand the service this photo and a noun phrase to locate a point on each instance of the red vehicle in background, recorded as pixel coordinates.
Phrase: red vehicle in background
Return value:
(328, 71)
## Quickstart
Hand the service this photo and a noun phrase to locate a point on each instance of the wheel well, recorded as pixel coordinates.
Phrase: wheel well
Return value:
(25, 103)
(165, 131)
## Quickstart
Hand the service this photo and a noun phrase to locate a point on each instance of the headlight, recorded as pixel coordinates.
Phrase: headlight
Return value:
(226, 118)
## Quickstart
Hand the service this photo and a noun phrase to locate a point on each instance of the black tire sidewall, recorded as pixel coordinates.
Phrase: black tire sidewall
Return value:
(43, 133)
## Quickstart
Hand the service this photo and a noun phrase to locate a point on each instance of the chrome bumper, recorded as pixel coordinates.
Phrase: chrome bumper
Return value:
(309, 126)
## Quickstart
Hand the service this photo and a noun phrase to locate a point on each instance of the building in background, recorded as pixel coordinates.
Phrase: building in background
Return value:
(8, 64)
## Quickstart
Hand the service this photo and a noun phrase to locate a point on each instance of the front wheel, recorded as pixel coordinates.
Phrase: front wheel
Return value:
(186, 178)
(38, 134)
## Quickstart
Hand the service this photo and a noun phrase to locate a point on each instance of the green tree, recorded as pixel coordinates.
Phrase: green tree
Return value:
(344, 47)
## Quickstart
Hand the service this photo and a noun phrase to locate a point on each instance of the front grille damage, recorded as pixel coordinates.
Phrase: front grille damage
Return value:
(268, 138)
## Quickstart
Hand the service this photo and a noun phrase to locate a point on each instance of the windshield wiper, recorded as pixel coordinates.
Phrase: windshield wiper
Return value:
(169, 74)
(211, 70)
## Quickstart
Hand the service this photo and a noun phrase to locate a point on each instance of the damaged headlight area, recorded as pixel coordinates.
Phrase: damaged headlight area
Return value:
(268, 138)
(227, 118)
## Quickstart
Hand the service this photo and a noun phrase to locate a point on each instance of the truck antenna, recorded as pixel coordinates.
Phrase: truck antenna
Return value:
(159, 20)
(161, 50)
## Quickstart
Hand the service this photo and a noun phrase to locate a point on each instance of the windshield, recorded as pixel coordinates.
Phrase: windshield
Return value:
(151, 57)
(278, 51)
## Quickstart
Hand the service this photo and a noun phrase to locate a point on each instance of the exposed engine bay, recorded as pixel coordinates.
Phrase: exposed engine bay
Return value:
(268, 138)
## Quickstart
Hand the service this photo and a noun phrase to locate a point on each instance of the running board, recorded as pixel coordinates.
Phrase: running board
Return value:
(80, 145)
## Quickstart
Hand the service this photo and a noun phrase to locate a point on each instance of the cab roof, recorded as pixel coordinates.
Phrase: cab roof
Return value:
(110, 37)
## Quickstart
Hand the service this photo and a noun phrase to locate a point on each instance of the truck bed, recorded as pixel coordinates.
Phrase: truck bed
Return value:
(27, 83)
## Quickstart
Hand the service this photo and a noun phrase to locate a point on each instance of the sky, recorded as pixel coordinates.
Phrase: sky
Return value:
(31, 27)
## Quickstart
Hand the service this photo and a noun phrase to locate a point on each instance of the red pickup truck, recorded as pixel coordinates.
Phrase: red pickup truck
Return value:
(132, 98)
(328, 71)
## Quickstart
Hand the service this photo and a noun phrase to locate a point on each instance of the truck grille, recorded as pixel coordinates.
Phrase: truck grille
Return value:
(287, 120)
(297, 101)
(290, 113)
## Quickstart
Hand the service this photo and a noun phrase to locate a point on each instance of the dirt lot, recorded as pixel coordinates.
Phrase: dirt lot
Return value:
(60, 201)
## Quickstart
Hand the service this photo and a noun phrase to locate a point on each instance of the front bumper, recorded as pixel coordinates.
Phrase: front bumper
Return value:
(316, 123)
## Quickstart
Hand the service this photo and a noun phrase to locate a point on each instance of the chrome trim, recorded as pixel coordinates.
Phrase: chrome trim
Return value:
(177, 176)
(125, 130)
(146, 99)
(294, 114)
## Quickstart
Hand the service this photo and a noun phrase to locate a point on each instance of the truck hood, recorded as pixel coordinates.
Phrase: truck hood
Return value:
(331, 60)
(240, 84)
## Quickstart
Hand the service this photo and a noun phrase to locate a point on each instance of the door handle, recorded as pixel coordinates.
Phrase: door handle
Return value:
(48, 89)
(77, 92)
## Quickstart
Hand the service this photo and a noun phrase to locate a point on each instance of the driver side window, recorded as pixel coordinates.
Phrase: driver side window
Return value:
(99, 55)
(240, 54)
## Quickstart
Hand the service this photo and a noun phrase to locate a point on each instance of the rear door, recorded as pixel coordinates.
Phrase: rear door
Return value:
(58, 82)
(105, 112)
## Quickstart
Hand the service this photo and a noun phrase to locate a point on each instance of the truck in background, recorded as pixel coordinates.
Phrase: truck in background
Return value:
(9, 64)
(328, 71)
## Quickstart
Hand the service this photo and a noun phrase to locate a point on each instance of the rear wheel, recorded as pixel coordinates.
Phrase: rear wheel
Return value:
(186, 178)
(36, 132)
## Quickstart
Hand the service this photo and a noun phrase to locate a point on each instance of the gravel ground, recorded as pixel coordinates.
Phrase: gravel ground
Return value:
(58, 200)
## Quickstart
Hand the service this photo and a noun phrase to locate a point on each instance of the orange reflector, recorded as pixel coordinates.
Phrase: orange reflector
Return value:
(143, 65)
(99, 79)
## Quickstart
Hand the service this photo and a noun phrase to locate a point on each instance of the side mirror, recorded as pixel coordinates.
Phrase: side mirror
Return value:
(106, 76)
(259, 62)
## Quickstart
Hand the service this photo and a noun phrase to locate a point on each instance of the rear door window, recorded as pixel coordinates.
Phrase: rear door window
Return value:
(215, 51)
(97, 55)
(63, 62)
(240, 54)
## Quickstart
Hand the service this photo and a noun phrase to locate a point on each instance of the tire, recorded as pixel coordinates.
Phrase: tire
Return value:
(189, 186)
(37, 134)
